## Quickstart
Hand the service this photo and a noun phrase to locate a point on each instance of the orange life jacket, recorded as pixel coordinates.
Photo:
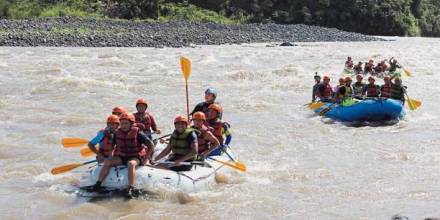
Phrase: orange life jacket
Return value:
(106, 148)
(143, 121)
(127, 144)
(385, 91)
(203, 144)
(327, 93)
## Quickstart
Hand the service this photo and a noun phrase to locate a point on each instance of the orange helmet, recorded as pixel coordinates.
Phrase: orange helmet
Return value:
(326, 78)
(371, 78)
(216, 107)
(127, 116)
(341, 80)
(119, 109)
(199, 116)
(181, 118)
(113, 119)
(141, 101)
(386, 78)
(347, 79)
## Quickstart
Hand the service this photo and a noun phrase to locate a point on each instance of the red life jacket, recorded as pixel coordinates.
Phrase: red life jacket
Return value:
(106, 148)
(327, 93)
(217, 130)
(372, 90)
(203, 144)
(127, 144)
(144, 121)
(385, 91)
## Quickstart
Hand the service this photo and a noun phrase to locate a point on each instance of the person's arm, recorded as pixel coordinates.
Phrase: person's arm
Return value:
(364, 90)
(97, 139)
(194, 149)
(143, 138)
(154, 125)
(214, 143)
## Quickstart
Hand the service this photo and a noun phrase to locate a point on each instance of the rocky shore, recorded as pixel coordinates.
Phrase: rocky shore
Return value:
(75, 32)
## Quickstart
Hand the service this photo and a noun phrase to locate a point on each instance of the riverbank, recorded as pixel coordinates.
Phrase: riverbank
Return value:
(77, 32)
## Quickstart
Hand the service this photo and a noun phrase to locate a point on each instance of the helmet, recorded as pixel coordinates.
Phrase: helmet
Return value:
(317, 76)
(113, 119)
(347, 79)
(326, 78)
(348, 58)
(386, 78)
(216, 107)
(127, 116)
(397, 79)
(371, 78)
(359, 76)
(181, 118)
(341, 80)
(141, 101)
(199, 116)
(211, 91)
(119, 109)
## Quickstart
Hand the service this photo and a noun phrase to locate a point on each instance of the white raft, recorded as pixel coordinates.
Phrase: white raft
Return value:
(149, 177)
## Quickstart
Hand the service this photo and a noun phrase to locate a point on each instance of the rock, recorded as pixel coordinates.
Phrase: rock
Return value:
(287, 44)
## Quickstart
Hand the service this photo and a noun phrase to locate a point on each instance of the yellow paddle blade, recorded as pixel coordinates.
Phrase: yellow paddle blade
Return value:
(185, 65)
(316, 105)
(413, 104)
(408, 73)
(65, 168)
(73, 142)
(238, 166)
(86, 152)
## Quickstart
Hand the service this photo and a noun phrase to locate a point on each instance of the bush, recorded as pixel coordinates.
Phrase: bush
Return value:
(172, 11)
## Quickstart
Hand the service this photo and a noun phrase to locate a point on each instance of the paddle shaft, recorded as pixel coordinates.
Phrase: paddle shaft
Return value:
(187, 100)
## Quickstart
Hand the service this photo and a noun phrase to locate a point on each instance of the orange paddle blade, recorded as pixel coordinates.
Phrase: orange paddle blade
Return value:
(238, 166)
(73, 142)
(65, 168)
(185, 65)
(86, 152)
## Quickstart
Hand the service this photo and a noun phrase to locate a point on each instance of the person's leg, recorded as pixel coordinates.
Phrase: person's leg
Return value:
(131, 164)
(106, 167)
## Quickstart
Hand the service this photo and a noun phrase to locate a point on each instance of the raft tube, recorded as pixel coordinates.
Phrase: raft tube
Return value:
(150, 177)
(376, 109)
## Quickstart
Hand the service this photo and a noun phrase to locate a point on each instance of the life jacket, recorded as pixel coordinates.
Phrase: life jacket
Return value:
(385, 91)
(349, 64)
(218, 127)
(348, 91)
(203, 144)
(144, 121)
(357, 88)
(372, 90)
(326, 92)
(105, 148)
(397, 92)
(179, 142)
(127, 144)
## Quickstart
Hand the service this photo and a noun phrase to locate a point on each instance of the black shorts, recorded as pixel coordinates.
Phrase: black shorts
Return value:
(126, 159)
(181, 167)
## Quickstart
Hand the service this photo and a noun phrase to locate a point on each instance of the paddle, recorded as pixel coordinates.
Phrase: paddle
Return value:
(68, 167)
(412, 103)
(237, 163)
(316, 105)
(185, 65)
(73, 142)
(235, 166)
(322, 112)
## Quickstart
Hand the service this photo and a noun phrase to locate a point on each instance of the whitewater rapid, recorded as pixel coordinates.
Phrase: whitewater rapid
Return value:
(299, 166)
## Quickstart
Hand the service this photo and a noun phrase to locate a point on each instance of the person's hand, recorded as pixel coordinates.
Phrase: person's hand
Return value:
(177, 162)
(158, 131)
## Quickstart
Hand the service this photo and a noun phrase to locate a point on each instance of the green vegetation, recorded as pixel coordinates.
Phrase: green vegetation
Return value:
(385, 17)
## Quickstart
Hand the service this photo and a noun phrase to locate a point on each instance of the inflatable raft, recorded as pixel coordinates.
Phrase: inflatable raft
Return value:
(151, 177)
(377, 109)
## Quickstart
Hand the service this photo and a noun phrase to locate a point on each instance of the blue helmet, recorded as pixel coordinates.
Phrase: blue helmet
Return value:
(211, 91)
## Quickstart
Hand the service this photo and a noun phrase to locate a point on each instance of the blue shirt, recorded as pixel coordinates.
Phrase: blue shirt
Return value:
(98, 138)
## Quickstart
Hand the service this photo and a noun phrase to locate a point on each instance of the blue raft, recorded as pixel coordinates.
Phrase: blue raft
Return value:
(376, 109)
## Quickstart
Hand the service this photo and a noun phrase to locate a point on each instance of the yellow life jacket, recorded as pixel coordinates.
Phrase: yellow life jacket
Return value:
(179, 142)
